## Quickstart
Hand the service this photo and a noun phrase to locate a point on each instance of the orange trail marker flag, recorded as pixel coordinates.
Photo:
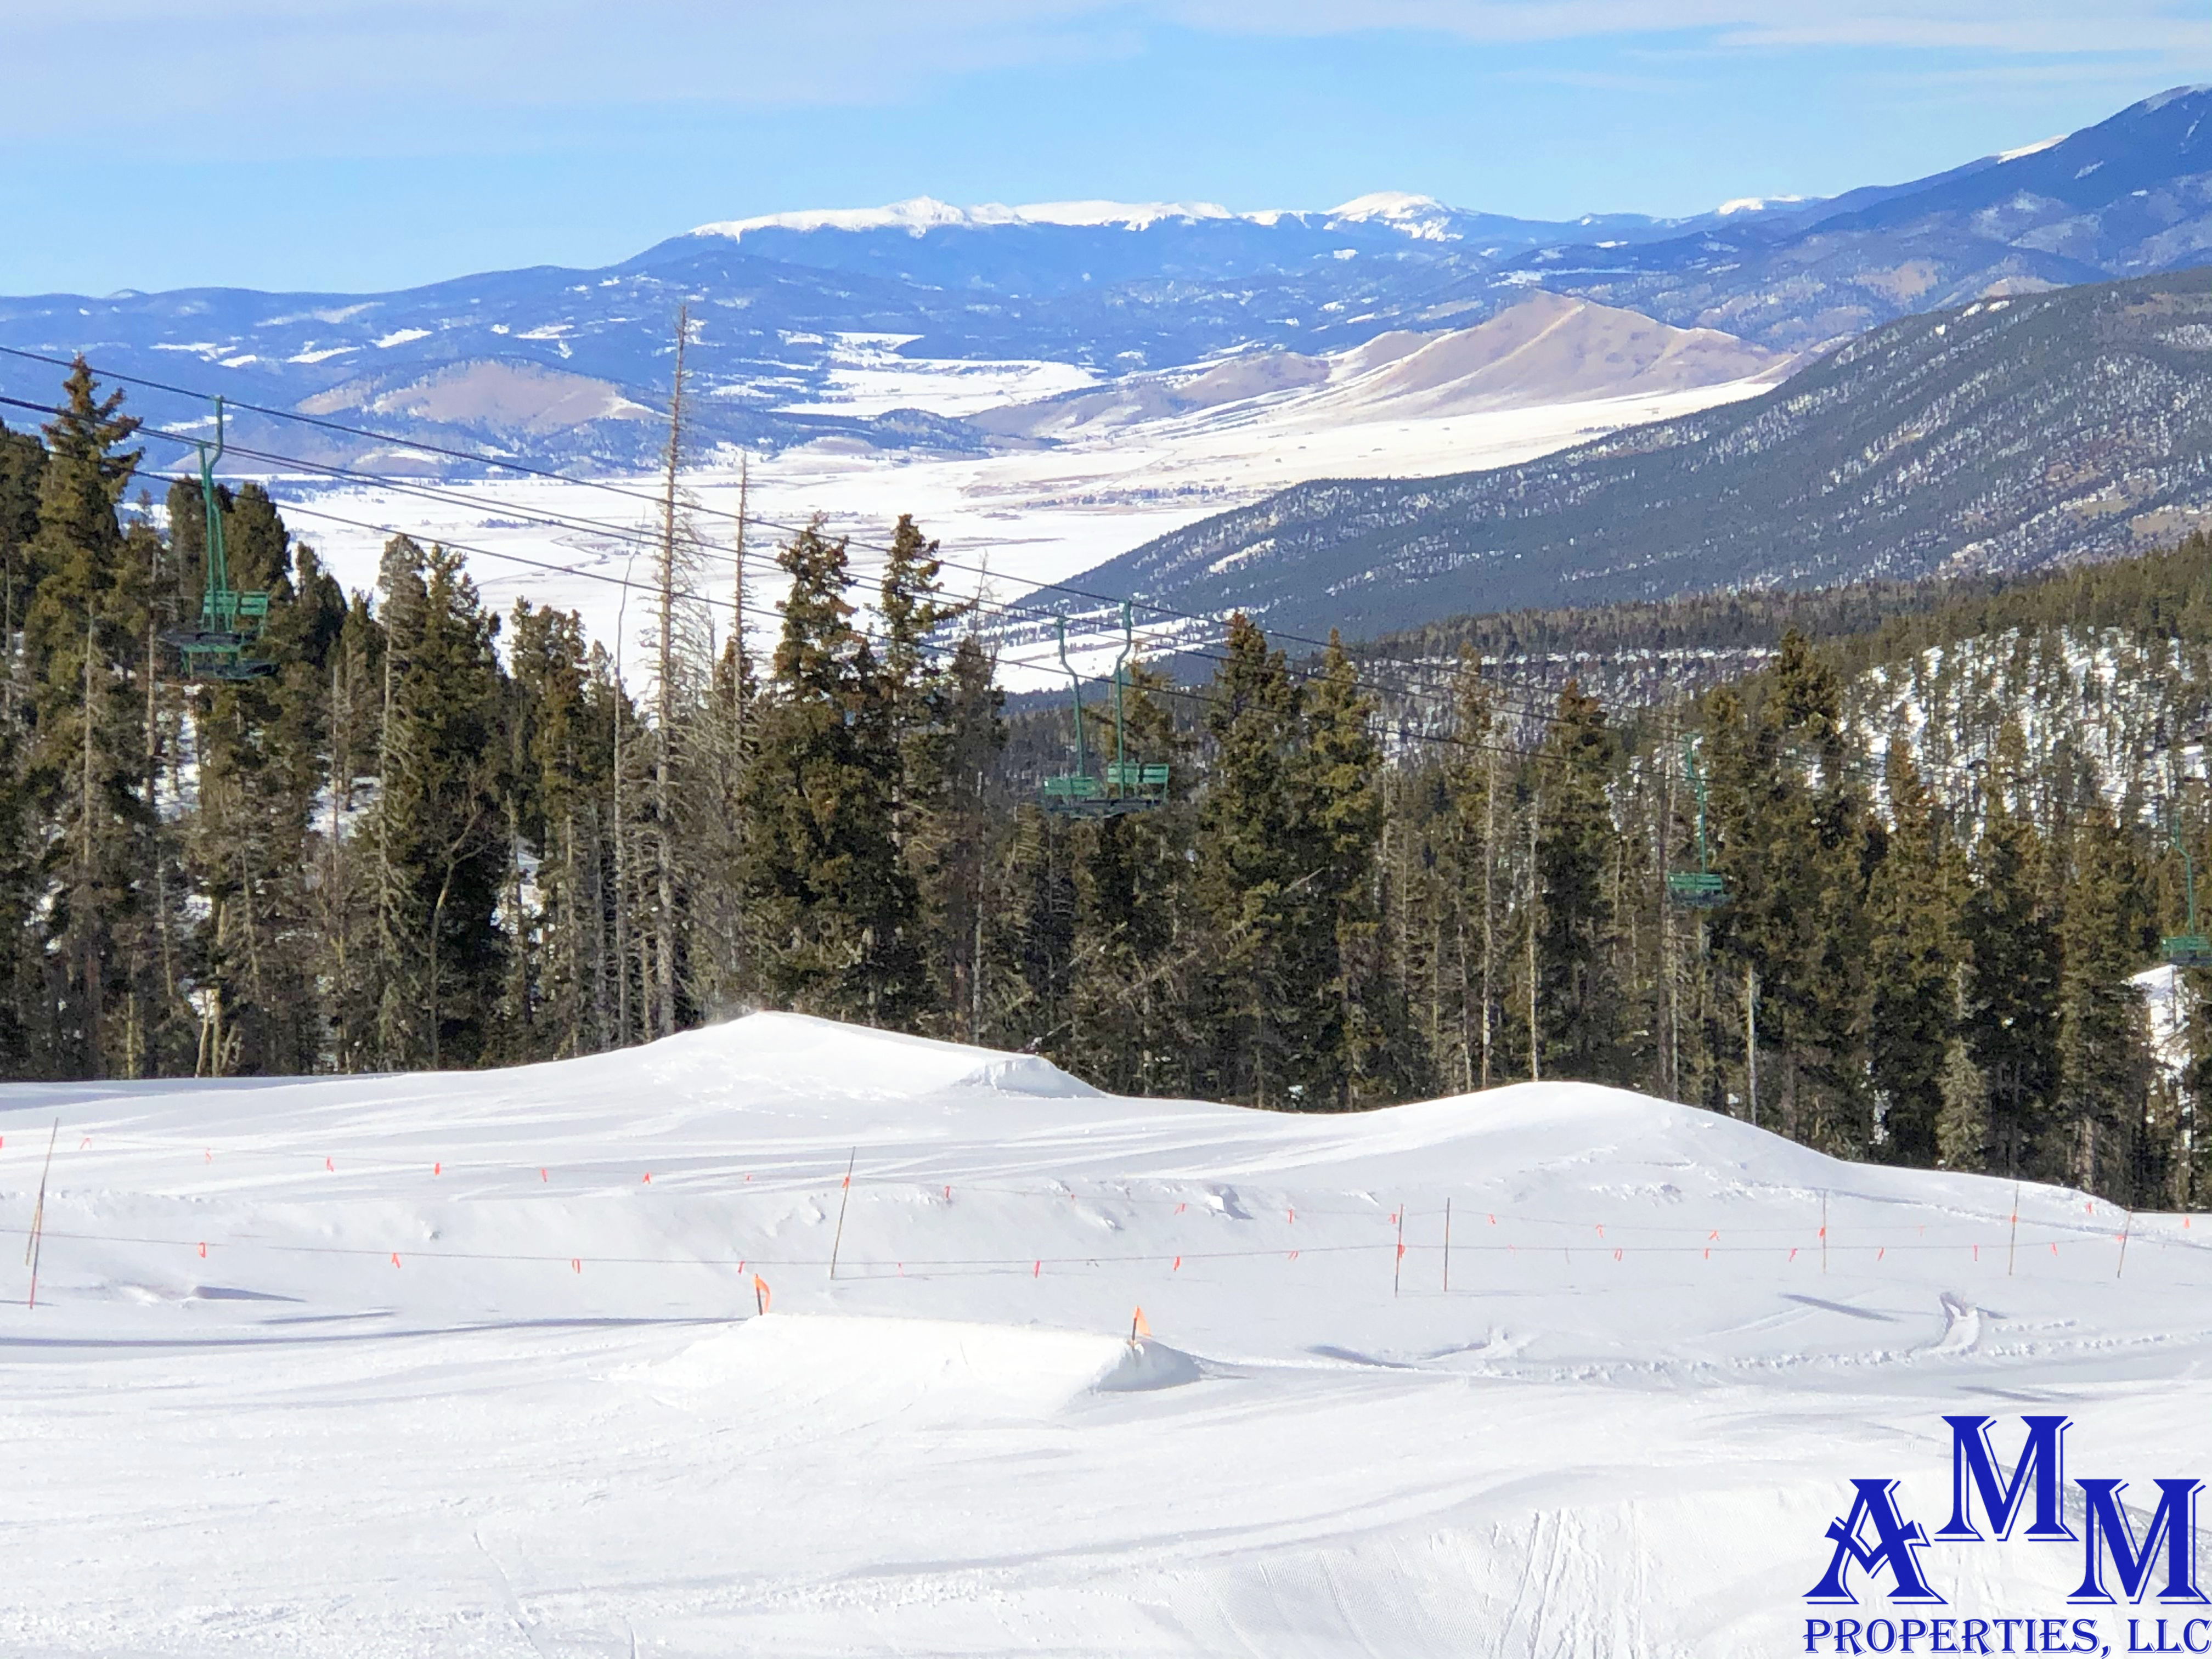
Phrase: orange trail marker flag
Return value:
(760, 1297)
(1138, 1327)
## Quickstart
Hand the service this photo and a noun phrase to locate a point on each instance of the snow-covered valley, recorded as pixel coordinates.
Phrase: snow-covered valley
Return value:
(1081, 471)
(471, 1365)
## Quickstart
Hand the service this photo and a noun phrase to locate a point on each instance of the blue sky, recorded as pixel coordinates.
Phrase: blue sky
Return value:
(361, 144)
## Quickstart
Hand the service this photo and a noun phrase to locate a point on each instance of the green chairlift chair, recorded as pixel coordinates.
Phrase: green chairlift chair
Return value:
(220, 648)
(1127, 785)
(1703, 887)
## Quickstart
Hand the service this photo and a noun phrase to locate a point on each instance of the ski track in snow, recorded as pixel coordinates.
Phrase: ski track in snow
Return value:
(555, 1427)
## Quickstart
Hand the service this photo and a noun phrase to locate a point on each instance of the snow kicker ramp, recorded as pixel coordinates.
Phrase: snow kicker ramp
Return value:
(476, 1364)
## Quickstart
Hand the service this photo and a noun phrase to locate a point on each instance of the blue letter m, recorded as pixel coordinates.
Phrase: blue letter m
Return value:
(2039, 1464)
(2174, 1523)
(1895, 1540)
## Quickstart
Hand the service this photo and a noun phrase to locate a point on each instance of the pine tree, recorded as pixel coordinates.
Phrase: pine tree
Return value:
(562, 762)
(439, 832)
(345, 896)
(1356, 1037)
(1474, 781)
(1030, 937)
(23, 969)
(1793, 848)
(1962, 1121)
(964, 835)
(1132, 960)
(831, 903)
(22, 464)
(1577, 996)
(84, 769)
(1914, 931)
(919, 690)
(1254, 880)
(2103, 1056)
(2010, 1018)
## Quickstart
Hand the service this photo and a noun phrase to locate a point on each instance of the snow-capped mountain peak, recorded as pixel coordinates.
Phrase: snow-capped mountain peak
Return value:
(919, 214)
(1421, 217)
(2159, 100)
(1387, 204)
(1755, 204)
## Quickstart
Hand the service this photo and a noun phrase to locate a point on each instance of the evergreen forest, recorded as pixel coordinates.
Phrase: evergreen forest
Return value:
(1955, 827)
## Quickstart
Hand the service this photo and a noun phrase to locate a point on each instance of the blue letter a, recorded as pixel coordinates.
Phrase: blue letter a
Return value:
(2039, 1463)
(2173, 1523)
(1895, 1541)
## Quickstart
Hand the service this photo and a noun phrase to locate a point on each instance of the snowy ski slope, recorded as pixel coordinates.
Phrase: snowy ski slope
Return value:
(429, 1365)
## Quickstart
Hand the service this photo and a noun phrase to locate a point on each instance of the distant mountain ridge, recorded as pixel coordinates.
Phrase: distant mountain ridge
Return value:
(1544, 349)
(2010, 433)
(2128, 196)
(569, 367)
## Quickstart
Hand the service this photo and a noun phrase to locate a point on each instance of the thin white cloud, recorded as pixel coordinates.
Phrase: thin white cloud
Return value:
(2006, 26)
(242, 77)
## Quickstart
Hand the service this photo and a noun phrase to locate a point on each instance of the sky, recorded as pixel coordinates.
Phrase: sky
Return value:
(357, 145)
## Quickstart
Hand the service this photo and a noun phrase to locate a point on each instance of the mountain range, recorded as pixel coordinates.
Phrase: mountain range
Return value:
(569, 367)
(2008, 433)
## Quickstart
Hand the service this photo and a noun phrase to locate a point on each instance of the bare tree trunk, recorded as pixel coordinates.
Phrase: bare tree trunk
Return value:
(155, 857)
(1535, 1033)
(1489, 914)
(621, 891)
(334, 885)
(87, 933)
(1669, 975)
(661, 1006)
(1751, 1040)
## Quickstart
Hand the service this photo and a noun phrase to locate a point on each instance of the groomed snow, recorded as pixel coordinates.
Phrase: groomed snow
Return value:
(412, 1366)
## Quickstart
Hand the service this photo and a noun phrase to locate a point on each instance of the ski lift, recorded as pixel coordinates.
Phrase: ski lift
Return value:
(229, 620)
(2191, 949)
(1703, 887)
(1127, 785)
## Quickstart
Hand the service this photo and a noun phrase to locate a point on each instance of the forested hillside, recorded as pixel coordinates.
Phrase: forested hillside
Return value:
(436, 837)
(2004, 437)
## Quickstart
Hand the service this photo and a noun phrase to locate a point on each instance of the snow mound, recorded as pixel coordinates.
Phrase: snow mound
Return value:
(778, 1053)
(446, 1363)
(824, 1363)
